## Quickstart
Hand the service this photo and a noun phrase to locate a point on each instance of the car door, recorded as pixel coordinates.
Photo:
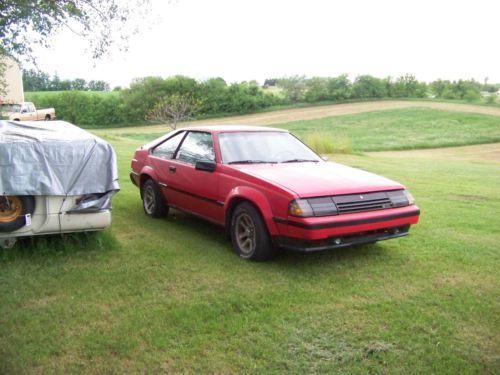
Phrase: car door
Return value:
(160, 160)
(26, 113)
(192, 189)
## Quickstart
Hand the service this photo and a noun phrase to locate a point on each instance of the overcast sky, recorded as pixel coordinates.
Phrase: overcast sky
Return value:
(252, 40)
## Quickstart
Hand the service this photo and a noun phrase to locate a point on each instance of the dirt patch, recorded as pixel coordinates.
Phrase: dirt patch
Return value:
(309, 113)
(486, 152)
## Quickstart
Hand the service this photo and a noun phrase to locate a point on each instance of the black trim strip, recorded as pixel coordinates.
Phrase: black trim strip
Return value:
(346, 223)
(205, 199)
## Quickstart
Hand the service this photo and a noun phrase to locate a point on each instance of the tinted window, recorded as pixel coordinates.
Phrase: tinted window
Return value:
(197, 146)
(167, 149)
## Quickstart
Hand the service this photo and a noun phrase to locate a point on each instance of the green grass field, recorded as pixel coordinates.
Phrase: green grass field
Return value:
(401, 129)
(170, 296)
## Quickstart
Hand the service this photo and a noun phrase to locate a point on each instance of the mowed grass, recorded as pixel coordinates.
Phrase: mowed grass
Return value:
(400, 129)
(170, 296)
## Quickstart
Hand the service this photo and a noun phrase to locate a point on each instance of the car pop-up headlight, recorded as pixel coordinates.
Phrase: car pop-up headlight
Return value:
(400, 198)
(411, 199)
(313, 207)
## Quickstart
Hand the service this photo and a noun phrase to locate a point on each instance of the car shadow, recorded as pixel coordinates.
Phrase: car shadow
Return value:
(212, 233)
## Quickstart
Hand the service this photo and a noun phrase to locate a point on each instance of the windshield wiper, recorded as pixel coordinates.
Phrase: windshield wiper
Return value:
(250, 162)
(300, 161)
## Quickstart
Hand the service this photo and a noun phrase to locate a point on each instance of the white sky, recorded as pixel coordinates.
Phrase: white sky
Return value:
(256, 39)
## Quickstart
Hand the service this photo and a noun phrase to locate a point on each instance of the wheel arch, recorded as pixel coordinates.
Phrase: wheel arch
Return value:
(146, 174)
(254, 197)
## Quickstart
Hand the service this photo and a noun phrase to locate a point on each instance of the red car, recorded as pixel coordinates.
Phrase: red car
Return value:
(269, 190)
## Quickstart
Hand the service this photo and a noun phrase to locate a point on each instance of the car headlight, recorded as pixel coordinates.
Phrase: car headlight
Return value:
(313, 207)
(410, 198)
(400, 198)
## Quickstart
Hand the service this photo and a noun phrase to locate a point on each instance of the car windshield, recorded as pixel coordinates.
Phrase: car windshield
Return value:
(263, 147)
(11, 107)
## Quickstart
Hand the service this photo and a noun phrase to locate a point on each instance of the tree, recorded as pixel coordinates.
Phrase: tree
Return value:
(79, 84)
(407, 86)
(29, 22)
(174, 109)
(317, 89)
(366, 86)
(293, 87)
(98, 86)
(26, 23)
(35, 80)
(339, 88)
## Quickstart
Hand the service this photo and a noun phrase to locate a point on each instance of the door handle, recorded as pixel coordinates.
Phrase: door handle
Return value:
(172, 168)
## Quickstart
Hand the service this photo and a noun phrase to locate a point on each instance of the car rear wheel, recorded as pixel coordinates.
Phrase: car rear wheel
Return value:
(152, 200)
(13, 211)
(249, 234)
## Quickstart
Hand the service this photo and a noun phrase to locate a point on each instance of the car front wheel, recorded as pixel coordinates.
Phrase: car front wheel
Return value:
(152, 200)
(249, 234)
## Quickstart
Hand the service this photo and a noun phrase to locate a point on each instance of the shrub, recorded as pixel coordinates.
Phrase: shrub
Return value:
(472, 96)
(83, 108)
(491, 99)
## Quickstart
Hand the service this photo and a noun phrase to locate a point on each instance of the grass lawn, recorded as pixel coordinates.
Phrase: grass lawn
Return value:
(402, 129)
(155, 296)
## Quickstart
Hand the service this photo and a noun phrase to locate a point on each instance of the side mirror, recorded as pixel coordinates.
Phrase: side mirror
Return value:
(208, 166)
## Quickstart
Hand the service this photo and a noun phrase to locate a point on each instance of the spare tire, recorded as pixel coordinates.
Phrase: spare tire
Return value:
(13, 211)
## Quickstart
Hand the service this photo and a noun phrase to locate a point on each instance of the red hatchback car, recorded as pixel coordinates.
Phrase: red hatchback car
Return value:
(269, 190)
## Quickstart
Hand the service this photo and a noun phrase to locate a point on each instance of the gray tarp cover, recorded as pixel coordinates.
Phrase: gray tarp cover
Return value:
(54, 158)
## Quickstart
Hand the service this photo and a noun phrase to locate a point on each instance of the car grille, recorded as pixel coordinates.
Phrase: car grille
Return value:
(362, 202)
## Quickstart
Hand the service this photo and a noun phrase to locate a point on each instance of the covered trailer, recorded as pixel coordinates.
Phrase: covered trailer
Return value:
(55, 178)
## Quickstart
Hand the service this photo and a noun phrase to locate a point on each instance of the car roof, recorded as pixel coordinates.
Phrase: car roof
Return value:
(234, 128)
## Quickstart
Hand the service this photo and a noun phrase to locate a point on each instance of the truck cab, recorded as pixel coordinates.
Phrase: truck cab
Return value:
(26, 111)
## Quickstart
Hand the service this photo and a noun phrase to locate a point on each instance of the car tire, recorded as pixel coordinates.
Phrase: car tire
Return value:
(47, 117)
(152, 200)
(249, 235)
(13, 211)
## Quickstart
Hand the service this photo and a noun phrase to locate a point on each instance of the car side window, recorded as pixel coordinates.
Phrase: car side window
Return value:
(197, 146)
(167, 149)
(31, 107)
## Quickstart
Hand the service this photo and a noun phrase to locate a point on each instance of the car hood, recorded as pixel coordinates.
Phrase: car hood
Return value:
(320, 179)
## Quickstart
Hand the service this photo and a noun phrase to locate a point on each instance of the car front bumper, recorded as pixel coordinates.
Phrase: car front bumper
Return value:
(340, 241)
(321, 233)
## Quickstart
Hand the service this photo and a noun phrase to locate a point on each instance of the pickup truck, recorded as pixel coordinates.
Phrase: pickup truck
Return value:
(26, 111)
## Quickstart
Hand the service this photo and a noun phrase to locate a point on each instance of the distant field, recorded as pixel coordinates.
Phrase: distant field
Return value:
(400, 129)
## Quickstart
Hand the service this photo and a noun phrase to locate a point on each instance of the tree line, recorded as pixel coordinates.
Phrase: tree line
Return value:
(147, 97)
(35, 80)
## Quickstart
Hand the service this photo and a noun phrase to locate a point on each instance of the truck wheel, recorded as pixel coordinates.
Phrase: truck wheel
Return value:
(13, 209)
(47, 117)
(249, 234)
